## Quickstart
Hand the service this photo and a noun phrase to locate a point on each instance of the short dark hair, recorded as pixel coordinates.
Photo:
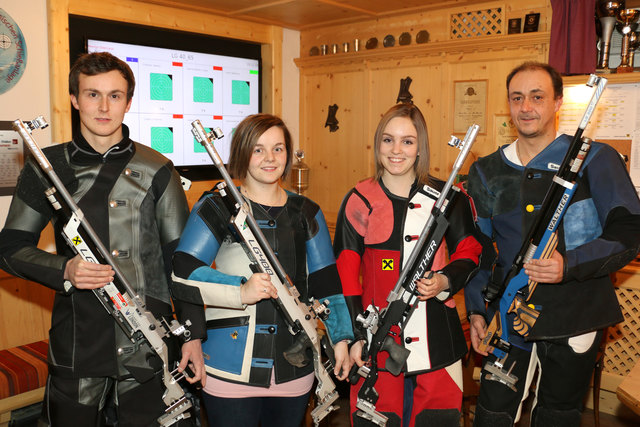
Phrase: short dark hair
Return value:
(413, 113)
(245, 138)
(91, 64)
(556, 78)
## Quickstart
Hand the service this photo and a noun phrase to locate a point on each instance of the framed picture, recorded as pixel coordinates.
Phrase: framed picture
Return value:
(531, 22)
(470, 105)
(515, 25)
(11, 157)
(504, 131)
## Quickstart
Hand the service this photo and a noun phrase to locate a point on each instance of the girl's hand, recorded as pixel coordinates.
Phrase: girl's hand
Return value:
(429, 288)
(343, 361)
(257, 288)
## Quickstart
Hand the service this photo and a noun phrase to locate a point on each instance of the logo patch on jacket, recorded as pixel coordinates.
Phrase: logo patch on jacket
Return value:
(387, 264)
(234, 335)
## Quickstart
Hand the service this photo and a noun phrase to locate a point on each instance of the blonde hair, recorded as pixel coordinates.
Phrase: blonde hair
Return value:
(410, 111)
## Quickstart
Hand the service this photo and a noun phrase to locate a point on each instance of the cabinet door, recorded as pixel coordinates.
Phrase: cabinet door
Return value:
(337, 160)
(428, 95)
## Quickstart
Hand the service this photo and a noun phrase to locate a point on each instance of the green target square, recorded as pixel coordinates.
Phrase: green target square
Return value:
(240, 92)
(203, 89)
(161, 87)
(162, 139)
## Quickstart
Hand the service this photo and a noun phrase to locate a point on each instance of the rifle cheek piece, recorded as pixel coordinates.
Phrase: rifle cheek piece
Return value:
(398, 355)
(297, 353)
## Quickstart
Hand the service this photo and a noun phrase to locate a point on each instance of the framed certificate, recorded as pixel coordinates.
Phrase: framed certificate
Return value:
(470, 105)
(504, 131)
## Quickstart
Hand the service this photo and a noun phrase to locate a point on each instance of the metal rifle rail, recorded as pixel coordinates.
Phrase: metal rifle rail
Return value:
(540, 242)
(402, 299)
(118, 297)
(300, 317)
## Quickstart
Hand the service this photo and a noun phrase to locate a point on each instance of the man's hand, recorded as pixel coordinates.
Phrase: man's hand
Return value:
(429, 288)
(343, 361)
(478, 330)
(87, 275)
(192, 355)
(549, 270)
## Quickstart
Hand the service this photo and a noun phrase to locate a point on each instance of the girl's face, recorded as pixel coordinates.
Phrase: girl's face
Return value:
(399, 147)
(269, 158)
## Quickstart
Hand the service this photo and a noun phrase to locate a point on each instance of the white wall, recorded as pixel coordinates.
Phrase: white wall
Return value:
(30, 96)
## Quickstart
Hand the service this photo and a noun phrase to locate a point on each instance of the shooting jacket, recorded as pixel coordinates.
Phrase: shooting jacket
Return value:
(376, 232)
(245, 343)
(132, 197)
(599, 234)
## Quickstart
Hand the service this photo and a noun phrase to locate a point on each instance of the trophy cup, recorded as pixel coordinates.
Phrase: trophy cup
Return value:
(627, 23)
(606, 12)
(634, 44)
(299, 173)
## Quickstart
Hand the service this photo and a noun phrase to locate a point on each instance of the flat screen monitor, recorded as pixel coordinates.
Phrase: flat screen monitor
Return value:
(180, 77)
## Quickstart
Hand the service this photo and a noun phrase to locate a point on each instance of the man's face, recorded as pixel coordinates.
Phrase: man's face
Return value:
(533, 104)
(102, 103)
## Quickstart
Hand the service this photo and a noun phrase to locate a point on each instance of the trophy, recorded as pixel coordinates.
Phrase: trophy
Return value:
(627, 23)
(299, 173)
(606, 12)
(634, 44)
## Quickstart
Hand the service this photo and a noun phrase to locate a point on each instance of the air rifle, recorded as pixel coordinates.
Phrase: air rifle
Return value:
(117, 297)
(402, 299)
(516, 289)
(301, 318)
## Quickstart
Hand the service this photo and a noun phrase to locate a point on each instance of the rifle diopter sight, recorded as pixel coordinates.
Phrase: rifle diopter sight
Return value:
(37, 123)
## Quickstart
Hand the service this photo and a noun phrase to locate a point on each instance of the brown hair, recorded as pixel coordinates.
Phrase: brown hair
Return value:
(556, 78)
(410, 111)
(245, 138)
(91, 64)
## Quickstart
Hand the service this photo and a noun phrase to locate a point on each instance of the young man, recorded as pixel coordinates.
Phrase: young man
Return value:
(132, 197)
(599, 234)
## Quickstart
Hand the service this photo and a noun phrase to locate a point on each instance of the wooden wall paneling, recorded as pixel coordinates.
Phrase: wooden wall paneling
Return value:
(25, 312)
(272, 73)
(337, 160)
(433, 69)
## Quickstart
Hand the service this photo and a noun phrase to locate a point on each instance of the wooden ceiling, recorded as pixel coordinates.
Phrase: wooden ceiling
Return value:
(304, 14)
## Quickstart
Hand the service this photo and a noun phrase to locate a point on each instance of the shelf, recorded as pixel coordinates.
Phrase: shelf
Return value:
(438, 48)
(611, 77)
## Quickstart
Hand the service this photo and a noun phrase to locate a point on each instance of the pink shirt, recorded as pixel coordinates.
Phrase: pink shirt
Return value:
(293, 388)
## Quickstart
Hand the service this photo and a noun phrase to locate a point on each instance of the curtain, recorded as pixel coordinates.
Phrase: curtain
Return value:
(573, 36)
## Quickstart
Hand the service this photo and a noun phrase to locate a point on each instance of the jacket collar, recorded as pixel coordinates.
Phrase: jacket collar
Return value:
(82, 153)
